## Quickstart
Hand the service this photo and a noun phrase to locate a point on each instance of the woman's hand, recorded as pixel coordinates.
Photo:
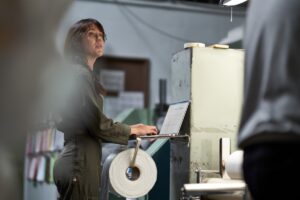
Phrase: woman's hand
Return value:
(142, 129)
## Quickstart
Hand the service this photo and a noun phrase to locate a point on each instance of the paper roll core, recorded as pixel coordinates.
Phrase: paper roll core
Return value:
(133, 173)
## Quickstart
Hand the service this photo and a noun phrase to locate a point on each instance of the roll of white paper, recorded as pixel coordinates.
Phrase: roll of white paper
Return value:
(233, 165)
(144, 181)
(193, 44)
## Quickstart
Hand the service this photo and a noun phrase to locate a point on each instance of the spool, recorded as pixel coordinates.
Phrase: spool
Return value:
(193, 44)
(132, 181)
(233, 165)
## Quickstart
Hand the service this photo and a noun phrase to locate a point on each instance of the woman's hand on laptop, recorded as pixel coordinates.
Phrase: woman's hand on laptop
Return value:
(142, 129)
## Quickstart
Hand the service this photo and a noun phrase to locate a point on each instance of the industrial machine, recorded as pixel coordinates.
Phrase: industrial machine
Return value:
(212, 79)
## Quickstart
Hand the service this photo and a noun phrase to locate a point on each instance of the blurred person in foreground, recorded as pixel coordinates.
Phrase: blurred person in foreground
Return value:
(269, 131)
(77, 171)
(27, 53)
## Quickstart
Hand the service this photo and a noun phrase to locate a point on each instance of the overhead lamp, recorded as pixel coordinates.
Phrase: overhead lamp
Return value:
(231, 2)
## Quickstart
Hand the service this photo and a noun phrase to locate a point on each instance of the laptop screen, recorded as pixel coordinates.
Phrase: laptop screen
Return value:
(174, 118)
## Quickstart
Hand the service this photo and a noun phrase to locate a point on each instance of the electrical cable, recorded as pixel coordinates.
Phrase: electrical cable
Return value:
(147, 24)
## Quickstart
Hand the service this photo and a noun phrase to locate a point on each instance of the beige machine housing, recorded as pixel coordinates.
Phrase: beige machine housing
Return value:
(212, 79)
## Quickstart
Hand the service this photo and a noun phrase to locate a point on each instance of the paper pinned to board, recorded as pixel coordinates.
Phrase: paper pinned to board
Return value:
(112, 80)
(131, 99)
(113, 106)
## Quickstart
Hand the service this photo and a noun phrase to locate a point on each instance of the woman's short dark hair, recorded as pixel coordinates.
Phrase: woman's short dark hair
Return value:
(73, 49)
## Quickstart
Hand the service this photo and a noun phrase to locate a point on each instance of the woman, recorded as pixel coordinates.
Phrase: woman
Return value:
(77, 170)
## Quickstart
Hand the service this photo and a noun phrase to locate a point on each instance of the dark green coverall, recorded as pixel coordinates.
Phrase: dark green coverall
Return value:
(77, 171)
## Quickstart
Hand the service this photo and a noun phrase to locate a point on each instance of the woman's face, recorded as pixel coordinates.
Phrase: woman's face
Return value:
(93, 42)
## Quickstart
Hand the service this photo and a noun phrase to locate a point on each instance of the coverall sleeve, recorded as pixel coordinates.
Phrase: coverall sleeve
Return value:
(97, 124)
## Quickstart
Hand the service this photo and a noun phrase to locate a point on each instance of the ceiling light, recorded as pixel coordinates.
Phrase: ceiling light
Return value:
(231, 2)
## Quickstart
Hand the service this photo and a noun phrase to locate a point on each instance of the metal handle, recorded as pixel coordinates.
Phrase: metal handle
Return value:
(138, 143)
(198, 175)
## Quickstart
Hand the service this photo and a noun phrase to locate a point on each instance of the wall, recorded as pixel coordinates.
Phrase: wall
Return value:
(153, 30)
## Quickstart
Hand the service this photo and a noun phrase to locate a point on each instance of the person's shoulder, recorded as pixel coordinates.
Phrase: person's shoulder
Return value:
(79, 75)
(83, 77)
(81, 72)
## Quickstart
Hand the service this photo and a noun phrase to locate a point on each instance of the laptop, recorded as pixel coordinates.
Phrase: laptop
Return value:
(173, 121)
